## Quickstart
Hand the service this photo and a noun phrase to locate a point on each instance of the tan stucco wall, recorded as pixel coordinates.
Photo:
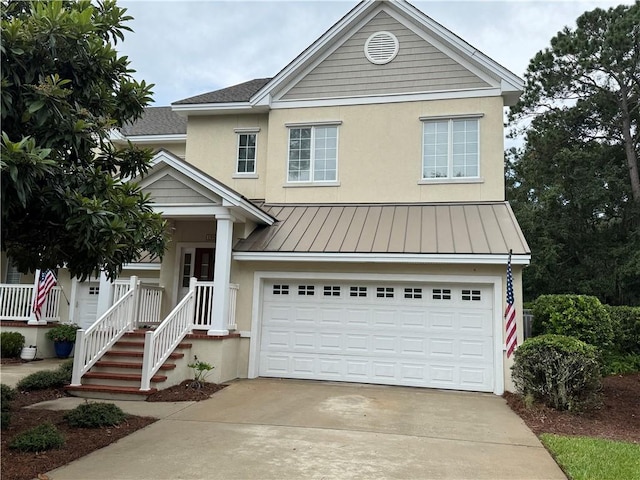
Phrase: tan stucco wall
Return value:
(178, 149)
(212, 147)
(243, 273)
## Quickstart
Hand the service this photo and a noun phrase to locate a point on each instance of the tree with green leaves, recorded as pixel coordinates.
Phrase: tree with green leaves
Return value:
(574, 185)
(68, 195)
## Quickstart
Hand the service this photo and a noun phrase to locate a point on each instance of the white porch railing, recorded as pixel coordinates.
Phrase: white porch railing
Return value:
(16, 302)
(96, 340)
(161, 342)
(149, 301)
(202, 318)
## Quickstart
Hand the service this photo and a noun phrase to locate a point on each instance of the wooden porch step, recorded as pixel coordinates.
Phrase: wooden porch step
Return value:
(124, 342)
(109, 392)
(130, 365)
(135, 353)
(129, 377)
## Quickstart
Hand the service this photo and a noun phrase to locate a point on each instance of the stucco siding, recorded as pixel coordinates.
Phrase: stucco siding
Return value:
(380, 154)
(212, 148)
(418, 67)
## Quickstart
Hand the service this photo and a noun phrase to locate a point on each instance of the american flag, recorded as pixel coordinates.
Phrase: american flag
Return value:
(46, 282)
(510, 313)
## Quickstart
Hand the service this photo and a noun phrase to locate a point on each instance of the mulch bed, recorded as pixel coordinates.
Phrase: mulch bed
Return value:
(79, 441)
(617, 419)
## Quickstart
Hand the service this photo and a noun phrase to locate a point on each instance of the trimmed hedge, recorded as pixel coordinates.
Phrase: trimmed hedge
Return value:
(11, 344)
(6, 395)
(561, 371)
(626, 325)
(95, 415)
(38, 439)
(579, 316)
(41, 381)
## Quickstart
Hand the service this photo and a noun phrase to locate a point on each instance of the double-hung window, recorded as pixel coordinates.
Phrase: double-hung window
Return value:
(247, 148)
(313, 153)
(450, 148)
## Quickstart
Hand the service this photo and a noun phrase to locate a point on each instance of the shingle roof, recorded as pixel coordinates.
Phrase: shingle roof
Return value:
(462, 228)
(156, 121)
(236, 93)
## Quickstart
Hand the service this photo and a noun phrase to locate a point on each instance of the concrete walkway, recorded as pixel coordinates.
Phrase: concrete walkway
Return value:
(287, 429)
(12, 373)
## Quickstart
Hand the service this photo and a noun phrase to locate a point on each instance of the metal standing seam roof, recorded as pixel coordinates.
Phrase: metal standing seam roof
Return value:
(463, 228)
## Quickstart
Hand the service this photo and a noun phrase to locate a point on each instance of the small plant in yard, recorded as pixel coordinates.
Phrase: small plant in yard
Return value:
(11, 344)
(63, 332)
(38, 439)
(95, 415)
(200, 372)
(41, 381)
(65, 370)
(560, 371)
(6, 395)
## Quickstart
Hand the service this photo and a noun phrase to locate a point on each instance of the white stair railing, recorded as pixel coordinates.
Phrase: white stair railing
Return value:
(161, 342)
(149, 304)
(96, 340)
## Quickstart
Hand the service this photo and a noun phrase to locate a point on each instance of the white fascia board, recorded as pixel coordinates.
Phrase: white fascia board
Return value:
(216, 108)
(453, 39)
(381, 258)
(390, 98)
(144, 139)
(310, 52)
(116, 136)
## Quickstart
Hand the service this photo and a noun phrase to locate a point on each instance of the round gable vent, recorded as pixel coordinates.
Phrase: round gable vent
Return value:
(381, 47)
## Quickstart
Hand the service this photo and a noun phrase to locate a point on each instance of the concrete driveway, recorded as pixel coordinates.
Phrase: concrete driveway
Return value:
(288, 429)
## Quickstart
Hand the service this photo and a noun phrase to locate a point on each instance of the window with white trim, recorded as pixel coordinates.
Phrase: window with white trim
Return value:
(13, 274)
(247, 147)
(313, 154)
(450, 148)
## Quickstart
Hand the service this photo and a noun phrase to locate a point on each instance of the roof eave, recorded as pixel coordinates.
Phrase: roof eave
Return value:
(151, 139)
(217, 108)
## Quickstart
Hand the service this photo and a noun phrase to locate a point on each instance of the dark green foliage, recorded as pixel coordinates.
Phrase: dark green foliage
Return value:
(95, 415)
(41, 380)
(575, 186)
(65, 370)
(6, 395)
(38, 439)
(64, 87)
(620, 364)
(626, 323)
(63, 332)
(11, 344)
(561, 371)
(579, 316)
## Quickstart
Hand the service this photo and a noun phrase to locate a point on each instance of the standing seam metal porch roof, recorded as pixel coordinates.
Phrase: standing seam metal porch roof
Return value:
(456, 228)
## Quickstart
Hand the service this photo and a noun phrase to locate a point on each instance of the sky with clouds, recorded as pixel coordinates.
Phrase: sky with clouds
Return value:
(190, 47)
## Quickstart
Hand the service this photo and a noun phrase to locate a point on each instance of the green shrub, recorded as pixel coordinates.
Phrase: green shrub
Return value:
(65, 370)
(11, 344)
(41, 380)
(626, 324)
(6, 395)
(579, 316)
(561, 371)
(63, 332)
(38, 439)
(620, 363)
(5, 420)
(95, 415)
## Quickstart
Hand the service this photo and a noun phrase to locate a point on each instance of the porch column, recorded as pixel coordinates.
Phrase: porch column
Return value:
(222, 274)
(32, 318)
(105, 295)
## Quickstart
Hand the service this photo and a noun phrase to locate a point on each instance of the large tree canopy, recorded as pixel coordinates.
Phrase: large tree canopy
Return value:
(67, 194)
(574, 186)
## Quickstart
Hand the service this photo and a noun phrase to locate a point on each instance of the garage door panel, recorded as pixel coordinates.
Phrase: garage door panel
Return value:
(387, 333)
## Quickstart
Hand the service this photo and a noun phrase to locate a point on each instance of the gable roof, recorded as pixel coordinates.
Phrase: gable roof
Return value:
(236, 93)
(230, 198)
(156, 121)
(483, 232)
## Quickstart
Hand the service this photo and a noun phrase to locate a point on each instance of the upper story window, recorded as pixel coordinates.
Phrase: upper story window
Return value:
(450, 148)
(313, 153)
(247, 145)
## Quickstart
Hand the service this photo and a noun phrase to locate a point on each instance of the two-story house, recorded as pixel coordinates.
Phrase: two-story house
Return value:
(349, 212)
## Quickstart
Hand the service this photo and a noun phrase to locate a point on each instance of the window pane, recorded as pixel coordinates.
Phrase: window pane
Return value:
(246, 153)
(299, 154)
(324, 168)
(450, 149)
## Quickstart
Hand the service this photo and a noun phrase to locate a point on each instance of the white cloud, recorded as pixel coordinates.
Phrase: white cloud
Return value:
(191, 47)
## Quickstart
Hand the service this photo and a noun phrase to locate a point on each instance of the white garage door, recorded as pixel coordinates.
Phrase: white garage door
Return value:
(426, 335)
(87, 303)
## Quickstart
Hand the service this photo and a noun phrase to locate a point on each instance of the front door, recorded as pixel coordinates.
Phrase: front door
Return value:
(196, 262)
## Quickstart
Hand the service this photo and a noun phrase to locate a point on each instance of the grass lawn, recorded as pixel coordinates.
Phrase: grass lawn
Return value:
(586, 458)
